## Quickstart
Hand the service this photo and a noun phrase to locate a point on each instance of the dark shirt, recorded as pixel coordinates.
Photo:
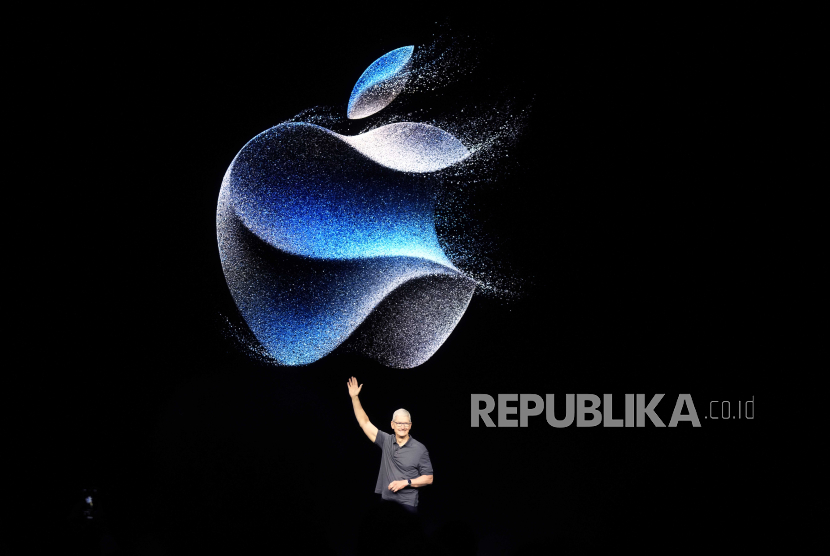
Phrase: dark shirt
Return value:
(400, 463)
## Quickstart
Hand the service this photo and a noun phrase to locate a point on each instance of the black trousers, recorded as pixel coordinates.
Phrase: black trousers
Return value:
(411, 509)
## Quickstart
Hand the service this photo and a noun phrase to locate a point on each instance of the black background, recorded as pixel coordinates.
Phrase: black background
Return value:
(629, 219)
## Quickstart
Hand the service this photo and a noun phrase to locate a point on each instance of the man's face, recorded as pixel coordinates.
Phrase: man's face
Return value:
(401, 425)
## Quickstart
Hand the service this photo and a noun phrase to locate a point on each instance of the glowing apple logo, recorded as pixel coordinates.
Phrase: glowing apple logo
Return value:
(320, 233)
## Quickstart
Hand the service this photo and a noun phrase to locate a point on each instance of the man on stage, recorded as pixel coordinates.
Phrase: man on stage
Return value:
(404, 464)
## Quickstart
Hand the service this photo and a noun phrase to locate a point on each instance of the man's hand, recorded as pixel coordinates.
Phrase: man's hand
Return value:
(395, 486)
(354, 390)
(362, 419)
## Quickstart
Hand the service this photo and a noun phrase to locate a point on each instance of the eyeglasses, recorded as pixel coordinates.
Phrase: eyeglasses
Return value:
(404, 425)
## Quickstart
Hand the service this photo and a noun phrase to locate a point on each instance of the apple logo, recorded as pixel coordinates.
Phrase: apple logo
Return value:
(325, 238)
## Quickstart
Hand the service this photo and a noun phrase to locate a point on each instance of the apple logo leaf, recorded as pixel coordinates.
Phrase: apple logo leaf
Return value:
(382, 81)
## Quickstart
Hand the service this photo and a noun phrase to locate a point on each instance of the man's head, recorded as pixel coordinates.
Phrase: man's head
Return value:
(401, 423)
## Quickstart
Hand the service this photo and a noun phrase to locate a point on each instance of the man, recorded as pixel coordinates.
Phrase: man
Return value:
(404, 464)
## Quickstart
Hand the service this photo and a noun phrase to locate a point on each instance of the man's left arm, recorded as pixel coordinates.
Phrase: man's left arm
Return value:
(425, 478)
(421, 481)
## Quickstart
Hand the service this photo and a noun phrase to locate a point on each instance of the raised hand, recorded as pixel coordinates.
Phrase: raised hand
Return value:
(354, 389)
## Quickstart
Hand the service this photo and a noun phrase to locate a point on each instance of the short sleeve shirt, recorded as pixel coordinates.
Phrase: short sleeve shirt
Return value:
(400, 463)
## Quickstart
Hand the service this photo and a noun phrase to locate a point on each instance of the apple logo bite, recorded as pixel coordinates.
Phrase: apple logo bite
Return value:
(326, 237)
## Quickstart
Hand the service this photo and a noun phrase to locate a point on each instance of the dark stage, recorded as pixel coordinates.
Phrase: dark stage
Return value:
(623, 212)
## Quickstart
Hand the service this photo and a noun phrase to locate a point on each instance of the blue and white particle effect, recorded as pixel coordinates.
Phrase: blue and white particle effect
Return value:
(325, 237)
(382, 81)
